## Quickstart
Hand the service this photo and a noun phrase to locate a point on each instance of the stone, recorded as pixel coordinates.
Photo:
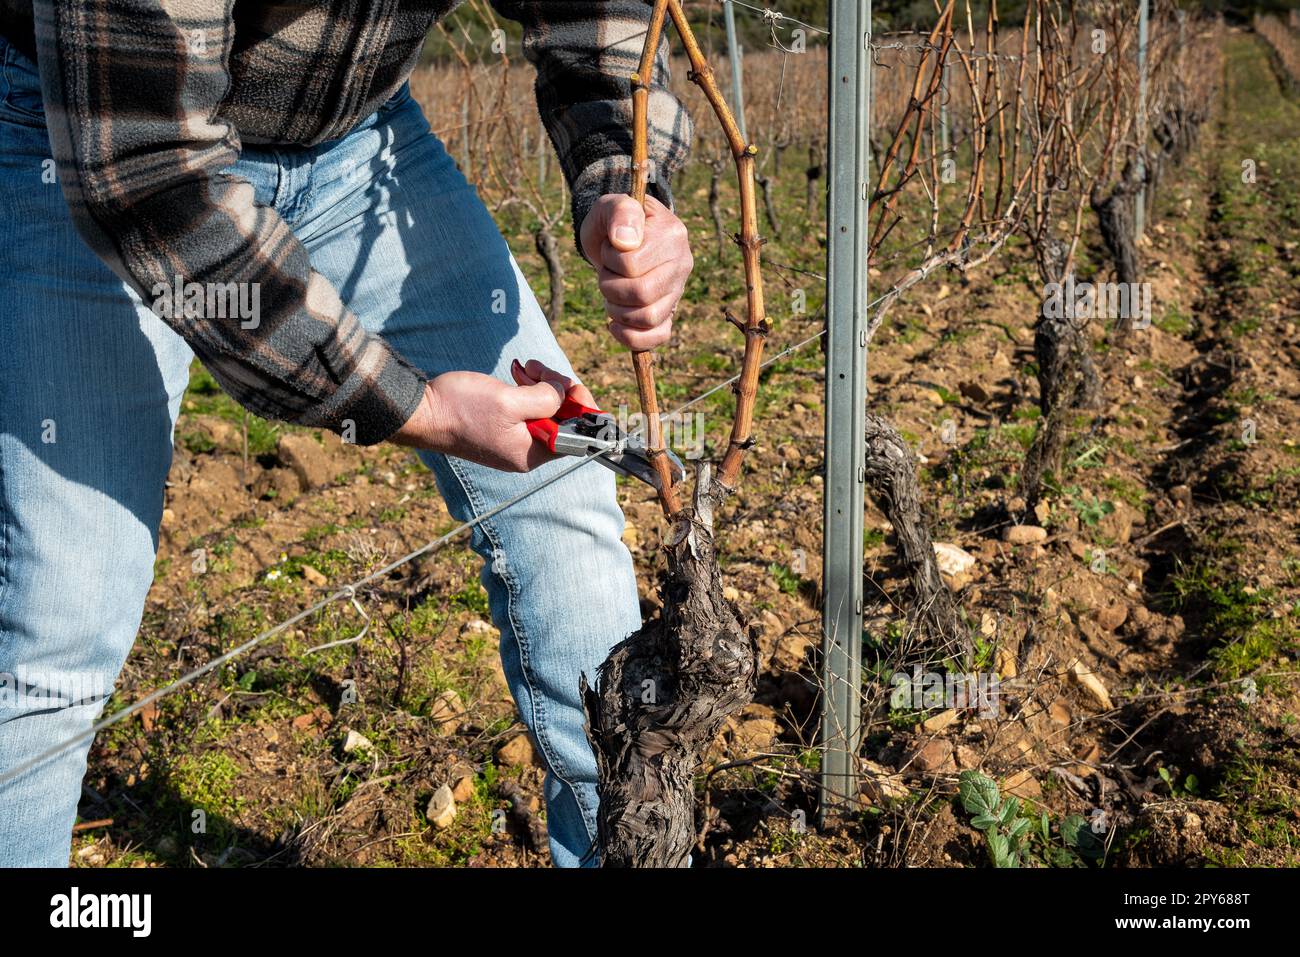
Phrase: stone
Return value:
(940, 721)
(91, 854)
(312, 719)
(771, 625)
(767, 632)
(441, 811)
(464, 789)
(953, 560)
(1112, 616)
(1042, 512)
(301, 452)
(1023, 534)
(1091, 756)
(518, 752)
(1089, 682)
(281, 485)
(754, 735)
(447, 712)
(755, 729)
(934, 757)
(314, 576)
(356, 742)
(792, 651)
(1007, 664)
(1118, 525)
(880, 785)
(224, 435)
(1022, 784)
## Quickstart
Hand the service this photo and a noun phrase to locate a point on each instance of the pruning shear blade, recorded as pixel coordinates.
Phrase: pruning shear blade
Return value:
(576, 429)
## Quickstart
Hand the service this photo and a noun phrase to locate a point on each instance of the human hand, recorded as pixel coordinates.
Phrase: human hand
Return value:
(484, 420)
(642, 260)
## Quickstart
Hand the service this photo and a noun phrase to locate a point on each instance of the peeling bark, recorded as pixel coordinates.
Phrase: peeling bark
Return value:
(1115, 217)
(662, 696)
(1067, 379)
(1175, 132)
(891, 478)
(1061, 348)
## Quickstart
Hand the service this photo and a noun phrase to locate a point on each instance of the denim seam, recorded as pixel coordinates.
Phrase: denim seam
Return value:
(4, 539)
(306, 202)
(521, 643)
(281, 191)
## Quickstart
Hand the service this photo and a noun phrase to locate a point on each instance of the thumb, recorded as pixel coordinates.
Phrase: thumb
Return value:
(626, 224)
(535, 401)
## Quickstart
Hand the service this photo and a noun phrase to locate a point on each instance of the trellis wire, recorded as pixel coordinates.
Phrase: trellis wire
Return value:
(349, 591)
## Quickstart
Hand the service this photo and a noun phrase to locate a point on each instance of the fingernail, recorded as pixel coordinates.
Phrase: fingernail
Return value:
(627, 234)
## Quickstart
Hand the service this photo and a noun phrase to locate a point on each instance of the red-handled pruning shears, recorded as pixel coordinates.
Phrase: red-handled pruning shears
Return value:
(576, 429)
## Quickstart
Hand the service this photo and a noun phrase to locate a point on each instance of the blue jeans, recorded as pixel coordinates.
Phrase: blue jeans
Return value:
(91, 382)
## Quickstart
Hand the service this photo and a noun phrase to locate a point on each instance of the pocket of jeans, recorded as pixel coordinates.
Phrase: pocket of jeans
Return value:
(20, 88)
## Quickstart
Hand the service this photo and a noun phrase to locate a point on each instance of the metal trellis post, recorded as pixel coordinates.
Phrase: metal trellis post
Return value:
(1140, 212)
(846, 380)
(734, 55)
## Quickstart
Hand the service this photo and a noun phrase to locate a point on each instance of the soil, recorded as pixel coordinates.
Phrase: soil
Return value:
(1146, 648)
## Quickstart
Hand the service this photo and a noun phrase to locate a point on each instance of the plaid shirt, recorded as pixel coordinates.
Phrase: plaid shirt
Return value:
(147, 105)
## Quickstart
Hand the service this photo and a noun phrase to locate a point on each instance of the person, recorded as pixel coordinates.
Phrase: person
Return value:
(254, 185)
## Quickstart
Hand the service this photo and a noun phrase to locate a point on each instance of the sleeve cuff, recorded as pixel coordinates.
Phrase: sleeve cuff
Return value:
(376, 400)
